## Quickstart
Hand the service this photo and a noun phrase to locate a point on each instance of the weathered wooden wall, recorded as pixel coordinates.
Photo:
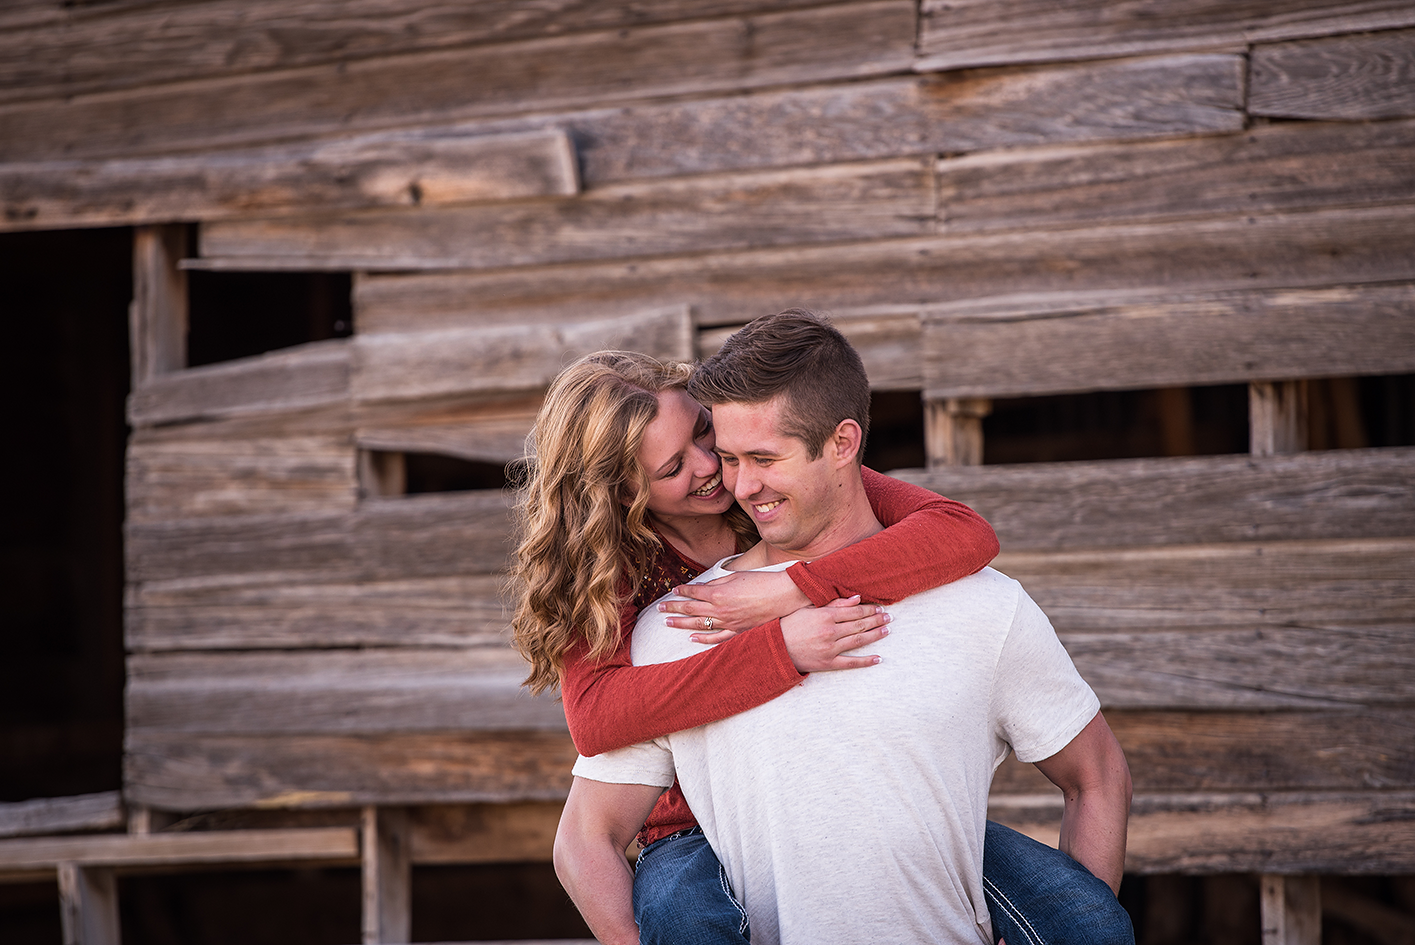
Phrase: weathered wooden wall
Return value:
(993, 198)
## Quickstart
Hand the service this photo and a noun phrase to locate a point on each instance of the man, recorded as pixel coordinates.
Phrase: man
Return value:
(851, 809)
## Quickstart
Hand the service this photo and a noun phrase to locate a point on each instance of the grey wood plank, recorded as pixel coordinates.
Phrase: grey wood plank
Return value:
(837, 42)
(389, 170)
(1345, 78)
(1316, 584)
(312, 375)
(1277, 251)
(1369, 832)
(1054, 343)
(237, 614)
(974, 32)
(850, 202)
(175, 771)
(368, 691)
(1242, 751)
(1280, 167)
(174, 479)
(1336, 494)
(410, 365)
(101, 811)
(338, 844)
(50, 49)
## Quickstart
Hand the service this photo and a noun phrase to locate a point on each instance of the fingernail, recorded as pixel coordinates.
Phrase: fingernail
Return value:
(662, 608)
(884, 631)
(888, 618)
(875, 661)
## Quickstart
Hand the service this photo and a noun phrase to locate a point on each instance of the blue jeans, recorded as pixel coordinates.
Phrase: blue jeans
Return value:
(1036, 895)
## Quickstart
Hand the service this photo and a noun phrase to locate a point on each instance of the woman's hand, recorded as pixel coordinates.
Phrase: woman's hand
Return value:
(820, 639)
(733, 603)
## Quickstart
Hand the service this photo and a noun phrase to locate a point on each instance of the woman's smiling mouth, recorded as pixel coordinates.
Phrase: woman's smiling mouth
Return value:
(709, 487)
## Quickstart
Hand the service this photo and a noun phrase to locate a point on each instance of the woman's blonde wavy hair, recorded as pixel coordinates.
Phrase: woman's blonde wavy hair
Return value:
(577, 537)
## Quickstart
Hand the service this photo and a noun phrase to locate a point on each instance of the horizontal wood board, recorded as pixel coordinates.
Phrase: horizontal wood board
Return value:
(183, 849)
(1287, 251)
(1012, 346)
(852, 202)
(342, 174)
(1351, 78)
(100, 811)
(976, 32)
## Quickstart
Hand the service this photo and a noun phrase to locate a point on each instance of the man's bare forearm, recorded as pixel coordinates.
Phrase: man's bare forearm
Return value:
(1095, 782)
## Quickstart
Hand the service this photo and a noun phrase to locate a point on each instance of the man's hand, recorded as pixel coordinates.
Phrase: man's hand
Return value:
(599, 823)
(1095, 781)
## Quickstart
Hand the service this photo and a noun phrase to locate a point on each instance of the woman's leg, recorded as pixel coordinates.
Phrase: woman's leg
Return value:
(682, 897)
(1040, 896)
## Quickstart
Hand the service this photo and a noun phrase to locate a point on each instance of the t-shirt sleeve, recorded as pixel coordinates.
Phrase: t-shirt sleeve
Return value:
(1040, 702)
(928, 541)
(649, 762)
(612, 703)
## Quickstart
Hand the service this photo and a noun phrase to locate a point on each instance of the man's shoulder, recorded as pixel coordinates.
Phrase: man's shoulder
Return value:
(986, 594)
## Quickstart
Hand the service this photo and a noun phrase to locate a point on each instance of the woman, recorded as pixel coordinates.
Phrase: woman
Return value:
(624, 503)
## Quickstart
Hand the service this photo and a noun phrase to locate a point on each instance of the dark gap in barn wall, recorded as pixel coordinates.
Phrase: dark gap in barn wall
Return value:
(65, 376)
(242, 314)
(896, 438)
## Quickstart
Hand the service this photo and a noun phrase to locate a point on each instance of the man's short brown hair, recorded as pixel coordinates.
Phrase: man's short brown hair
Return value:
(801, 357)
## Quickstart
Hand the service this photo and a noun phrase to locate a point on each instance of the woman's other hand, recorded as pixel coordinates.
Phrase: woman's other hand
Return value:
(734, 602)
(821, 639)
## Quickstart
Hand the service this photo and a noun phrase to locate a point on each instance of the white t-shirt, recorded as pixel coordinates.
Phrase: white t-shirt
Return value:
(852, 808)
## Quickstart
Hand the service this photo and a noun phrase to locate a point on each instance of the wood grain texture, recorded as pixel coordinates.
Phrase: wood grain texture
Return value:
(585, 69)
(852, 202)
(236, 614)
(371, 171)
(1340, 832)
(53, 49)
(101, 811)
(1344, 78)
(504, 357)
(201, 477)
(434, 535)
(953, 34)
(1242, 751)
(1283, 251)
(1279, 167)
(1337, 494)
(485, 833)
(369, 691)
(175, 771)
(1052, 343)
(338, 844)
(1242, 585)
(311, 375)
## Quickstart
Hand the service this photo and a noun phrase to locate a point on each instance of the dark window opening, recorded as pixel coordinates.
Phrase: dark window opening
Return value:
(388, 473)
(65, 369)
(896, 439)
(1177, 421)
(1355, 412)
(241, 314)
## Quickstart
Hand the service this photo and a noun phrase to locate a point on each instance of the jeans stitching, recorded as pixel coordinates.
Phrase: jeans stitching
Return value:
(727, 888)
(1006, 906)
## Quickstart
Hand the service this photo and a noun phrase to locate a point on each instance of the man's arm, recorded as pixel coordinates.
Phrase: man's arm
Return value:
(599, 822)
(1092, 774)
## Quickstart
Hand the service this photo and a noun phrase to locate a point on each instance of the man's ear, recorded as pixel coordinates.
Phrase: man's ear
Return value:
(844, 444)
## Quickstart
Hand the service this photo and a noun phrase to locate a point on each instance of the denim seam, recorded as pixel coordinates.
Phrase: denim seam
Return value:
(727, 888)
(1007, 907)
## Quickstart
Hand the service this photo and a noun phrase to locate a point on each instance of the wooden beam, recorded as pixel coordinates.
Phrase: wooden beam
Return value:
(1291, 909)
(1281, 167)
(1356, 77)
(953, 430)
(1188, 500)
(954, 35)
(1278, 251)
(388, 170)
(766, 208)
(158, 315)
(1052, 343)
(387, 875)
(1277, 417)
(102, 811)
(333, 844)
(88, 905)
(887, 341)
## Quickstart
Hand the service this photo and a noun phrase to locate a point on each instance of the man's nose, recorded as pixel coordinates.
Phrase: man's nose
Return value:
(744, 483)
